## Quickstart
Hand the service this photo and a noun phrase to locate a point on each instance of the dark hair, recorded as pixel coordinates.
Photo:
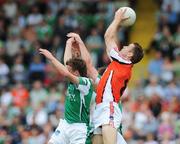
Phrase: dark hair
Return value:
(138, 53)
(79, 65)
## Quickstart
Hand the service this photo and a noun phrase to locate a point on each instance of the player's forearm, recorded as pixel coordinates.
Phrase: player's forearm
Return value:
(112, 30)
(84, 53)
(91, 70)
(64, 71)
(60, 67)
(67, 53)
(111, 36)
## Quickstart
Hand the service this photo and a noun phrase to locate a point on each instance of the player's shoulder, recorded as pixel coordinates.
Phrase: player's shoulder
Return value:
(85, 81)
(85, 78)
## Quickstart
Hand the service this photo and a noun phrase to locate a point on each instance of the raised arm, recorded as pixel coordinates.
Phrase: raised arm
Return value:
(85, 55)
(60, 67)
(68, 48)
(111, 32)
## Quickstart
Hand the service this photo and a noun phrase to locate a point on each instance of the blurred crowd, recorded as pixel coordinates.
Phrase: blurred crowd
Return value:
(32, 93)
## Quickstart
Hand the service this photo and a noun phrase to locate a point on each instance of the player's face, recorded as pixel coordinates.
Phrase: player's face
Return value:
(127, 50)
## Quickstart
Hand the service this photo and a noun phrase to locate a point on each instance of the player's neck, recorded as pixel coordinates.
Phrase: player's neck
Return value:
(125, 57)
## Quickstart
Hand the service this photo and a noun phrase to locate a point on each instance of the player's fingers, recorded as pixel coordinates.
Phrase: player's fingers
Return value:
(126, 18)
(70, 40)
(121, 11)
(71, 34)
(124, 10)
(40, 49)
(75, 37)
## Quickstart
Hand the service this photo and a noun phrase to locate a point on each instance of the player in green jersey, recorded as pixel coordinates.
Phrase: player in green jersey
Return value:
(73, 128)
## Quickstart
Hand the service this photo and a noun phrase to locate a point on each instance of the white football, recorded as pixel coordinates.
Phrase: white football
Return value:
(130, 13)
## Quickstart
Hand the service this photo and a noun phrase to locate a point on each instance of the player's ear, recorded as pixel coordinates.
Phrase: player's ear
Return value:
(130, 54)
(76, 72)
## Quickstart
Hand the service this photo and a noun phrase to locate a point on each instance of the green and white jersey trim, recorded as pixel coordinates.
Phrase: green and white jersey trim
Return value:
(97, 79)
(84, 86)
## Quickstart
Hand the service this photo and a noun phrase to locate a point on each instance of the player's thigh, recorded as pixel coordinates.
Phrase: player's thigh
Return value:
(78, 139)
(59, 135)
(97, 139)
(109, 134)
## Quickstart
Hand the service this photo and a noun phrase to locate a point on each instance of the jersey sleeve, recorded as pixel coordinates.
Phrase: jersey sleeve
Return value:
(115, 56)
(84, 85)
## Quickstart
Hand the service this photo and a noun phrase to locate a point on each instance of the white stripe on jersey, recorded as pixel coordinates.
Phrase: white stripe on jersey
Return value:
(107, 95)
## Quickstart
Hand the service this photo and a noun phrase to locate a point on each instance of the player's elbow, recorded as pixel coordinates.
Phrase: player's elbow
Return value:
(108, 36)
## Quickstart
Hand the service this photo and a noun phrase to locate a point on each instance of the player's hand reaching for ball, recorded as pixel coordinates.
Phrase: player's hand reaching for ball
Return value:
(125, 16)
(120, 15)
(46, 53)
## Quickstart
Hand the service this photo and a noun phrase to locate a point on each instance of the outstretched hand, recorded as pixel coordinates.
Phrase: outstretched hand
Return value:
(120, 15)
(46, 53)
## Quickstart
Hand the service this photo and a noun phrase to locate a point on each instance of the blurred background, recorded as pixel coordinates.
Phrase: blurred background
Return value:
(32, 93)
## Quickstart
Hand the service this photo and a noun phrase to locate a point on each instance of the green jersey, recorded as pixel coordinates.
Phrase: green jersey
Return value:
(77, 103)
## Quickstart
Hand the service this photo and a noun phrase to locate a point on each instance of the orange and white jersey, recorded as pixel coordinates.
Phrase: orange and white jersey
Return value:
(114, 80)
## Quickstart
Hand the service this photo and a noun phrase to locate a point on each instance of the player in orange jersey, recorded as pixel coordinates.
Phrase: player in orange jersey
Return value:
(107, 115)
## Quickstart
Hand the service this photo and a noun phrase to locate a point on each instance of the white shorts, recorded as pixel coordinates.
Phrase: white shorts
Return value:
(107, 113)
(66, 133)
